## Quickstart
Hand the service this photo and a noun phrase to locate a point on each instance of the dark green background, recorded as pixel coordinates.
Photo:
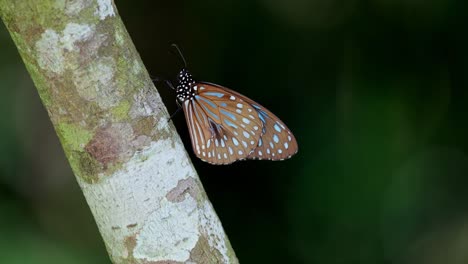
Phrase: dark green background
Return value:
(375, 92)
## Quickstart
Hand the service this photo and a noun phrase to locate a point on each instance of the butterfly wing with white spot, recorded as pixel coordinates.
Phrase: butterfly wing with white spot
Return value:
(277, 141)
(219, 133)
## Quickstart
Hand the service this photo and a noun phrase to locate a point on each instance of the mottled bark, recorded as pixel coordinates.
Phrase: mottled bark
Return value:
(142, 189)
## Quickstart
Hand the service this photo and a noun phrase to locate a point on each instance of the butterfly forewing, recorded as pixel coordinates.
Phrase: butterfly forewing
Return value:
(220, 128)
(276, 142)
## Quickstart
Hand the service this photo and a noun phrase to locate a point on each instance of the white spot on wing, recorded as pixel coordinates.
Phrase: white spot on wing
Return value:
(277, 128)
(244, 143)
(275, 138)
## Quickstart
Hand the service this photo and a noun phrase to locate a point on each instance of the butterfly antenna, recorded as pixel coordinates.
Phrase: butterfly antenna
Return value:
(180, 54)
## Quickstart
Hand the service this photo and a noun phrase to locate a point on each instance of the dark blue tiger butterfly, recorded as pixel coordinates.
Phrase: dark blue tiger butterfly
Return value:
(226, 126)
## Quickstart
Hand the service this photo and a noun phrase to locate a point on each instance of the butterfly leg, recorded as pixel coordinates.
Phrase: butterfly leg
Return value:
(168, 83)
(177, 111)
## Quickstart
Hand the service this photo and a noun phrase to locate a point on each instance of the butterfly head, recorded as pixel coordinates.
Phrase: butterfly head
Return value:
(184, 87)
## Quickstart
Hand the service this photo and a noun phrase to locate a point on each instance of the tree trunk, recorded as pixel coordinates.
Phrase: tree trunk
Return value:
(142, 189)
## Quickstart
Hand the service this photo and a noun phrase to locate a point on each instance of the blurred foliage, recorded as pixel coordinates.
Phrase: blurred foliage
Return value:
(375, 92)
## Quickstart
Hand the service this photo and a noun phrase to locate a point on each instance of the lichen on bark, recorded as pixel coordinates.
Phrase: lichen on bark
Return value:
(142, 189)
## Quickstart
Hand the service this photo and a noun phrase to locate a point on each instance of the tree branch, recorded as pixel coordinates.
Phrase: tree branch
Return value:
(142, 189)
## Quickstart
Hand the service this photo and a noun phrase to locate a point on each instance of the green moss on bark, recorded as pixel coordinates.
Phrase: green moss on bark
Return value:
(73, 136)
(98, 95)
(85, 166)
(120, 112)
(85, 82)
(144, 126)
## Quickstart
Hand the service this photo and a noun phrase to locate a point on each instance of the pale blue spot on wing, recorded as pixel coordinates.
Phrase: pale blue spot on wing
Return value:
(211, 113)
(230, 115)
(229, 123)
(197, 115)
(262, 117)
(206, 108)
(223, 104)
(275, 138)
(277, 128)
(206, 100)
(219, 95)
(261, 114)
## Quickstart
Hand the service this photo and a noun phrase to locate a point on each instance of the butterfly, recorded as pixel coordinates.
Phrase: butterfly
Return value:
(226, 126)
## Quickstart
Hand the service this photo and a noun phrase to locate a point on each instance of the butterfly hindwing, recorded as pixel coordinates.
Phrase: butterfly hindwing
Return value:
(277, 142)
